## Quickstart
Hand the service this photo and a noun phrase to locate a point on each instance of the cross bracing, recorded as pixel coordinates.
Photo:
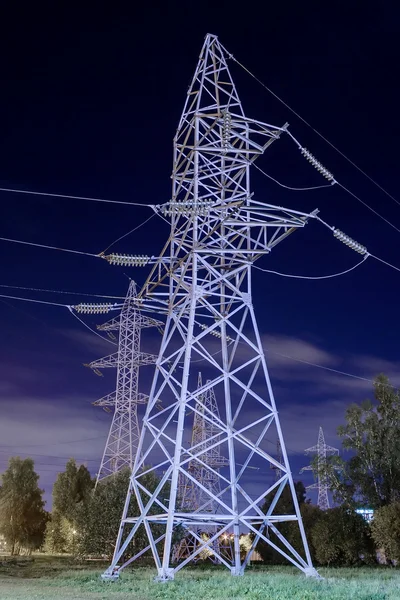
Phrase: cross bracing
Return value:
(202, 283)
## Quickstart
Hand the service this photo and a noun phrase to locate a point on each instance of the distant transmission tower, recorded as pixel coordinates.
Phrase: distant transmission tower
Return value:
(122, 441)
(322, 485)
(201, 282)
(199, 497)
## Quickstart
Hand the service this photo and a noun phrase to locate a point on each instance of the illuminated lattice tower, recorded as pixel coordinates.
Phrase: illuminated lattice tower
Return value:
(122, 440)
(202, 284)
(322, 450)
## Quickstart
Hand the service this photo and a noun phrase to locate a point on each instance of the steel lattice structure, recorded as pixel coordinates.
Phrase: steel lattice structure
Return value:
(278, 472)
(122, 440)
(322, 485)
(202, 282)
(193, 497)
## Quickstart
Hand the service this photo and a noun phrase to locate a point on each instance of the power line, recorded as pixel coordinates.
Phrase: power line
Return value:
(368, 206)
(311, 127)
(320, 277)
(385, 263)
(78, 458)
(17, 287)
(320, 167)
(52, 444)
(53, 195)
(288, 187)
(306, 362)
(3, 239)
(35, 301)
(90, 329)
(129, 232)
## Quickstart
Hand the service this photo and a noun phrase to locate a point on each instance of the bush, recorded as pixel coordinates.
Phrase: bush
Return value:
(385, 530)
(342, 538)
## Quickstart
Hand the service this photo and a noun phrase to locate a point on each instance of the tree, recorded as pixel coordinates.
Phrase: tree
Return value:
(22, 515)
(71, 489)
(371, 477)
(289, 529)
(342, 538)
(385, 529)
(98, 520)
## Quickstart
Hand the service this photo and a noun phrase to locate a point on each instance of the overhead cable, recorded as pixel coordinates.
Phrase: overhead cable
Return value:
(32, 289)
(53, 195)
(288, 187)
(32, 300)
(309, 277)
(311, 364)
(311, 127)
(329, 176)
(129, 233)
(3, 239)
(98, 437)
(90, 329)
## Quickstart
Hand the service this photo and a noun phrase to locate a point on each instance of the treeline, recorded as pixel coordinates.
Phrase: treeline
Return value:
(369, 477)
(85, 522)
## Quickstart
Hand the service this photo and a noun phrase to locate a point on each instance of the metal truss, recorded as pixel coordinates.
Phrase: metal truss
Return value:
(202, 282)
(322, 485)
(191, 496)
(122, 441)
(278, 472)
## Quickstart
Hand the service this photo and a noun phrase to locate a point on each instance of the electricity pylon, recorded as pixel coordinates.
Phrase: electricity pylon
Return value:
(200, 497)
(278, 472)
(202, 283)
(322, 485)
(122, 440)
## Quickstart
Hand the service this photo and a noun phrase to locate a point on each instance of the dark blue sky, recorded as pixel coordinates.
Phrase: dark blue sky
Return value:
(89, 105)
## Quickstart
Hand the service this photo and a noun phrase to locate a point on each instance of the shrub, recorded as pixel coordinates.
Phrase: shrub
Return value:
(342, 538)
(385, 530)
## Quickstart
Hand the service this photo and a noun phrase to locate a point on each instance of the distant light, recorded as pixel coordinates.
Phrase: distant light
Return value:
(366, 513)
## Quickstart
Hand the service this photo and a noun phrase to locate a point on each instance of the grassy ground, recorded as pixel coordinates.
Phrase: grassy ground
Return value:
(63, 579)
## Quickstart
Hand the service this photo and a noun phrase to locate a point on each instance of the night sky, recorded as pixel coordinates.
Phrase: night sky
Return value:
(89, 106)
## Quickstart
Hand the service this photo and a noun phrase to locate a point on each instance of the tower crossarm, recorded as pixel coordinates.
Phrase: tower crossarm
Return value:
(331, 450)
(113, 360)
(111, 399)
(313, 486)
(142, 321)
(307, 468)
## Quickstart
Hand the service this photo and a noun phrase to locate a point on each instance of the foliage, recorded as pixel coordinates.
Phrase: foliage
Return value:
(371, 477)
(385, 529)
(98, 519)
(341, 537)
(71, 489)
(60, 535)
(22, 515)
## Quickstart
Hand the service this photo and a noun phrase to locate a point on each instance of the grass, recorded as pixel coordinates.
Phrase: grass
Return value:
(60, 578)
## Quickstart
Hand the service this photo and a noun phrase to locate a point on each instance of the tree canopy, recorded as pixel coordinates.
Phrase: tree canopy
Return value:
(22, 515)
(71, 489)
(371, 476)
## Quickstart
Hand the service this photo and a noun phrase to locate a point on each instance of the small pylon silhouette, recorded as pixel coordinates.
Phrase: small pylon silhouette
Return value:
(121, 445)
(322, 485)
